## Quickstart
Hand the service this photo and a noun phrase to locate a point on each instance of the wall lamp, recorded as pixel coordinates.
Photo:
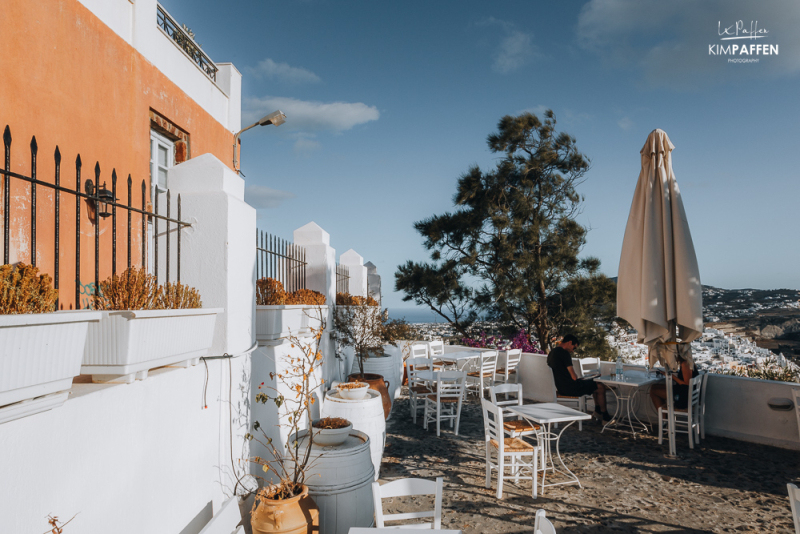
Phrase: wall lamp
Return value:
(101, 197)
(276, 117)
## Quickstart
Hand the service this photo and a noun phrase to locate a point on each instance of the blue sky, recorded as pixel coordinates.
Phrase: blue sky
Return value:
(388, 103)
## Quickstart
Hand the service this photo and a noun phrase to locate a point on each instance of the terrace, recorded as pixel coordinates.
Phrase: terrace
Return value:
(723, 485)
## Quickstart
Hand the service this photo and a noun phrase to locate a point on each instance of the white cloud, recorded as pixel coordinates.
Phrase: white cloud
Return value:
(305, 145)
(625, 123)
(311, 115)
(263, 197)
(283, 72)
(516, 48)
(668, 41)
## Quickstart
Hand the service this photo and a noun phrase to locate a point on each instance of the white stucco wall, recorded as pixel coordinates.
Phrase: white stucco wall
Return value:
(358, 273)
(135, 22)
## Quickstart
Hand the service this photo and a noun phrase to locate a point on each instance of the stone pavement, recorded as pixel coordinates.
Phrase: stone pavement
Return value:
(629, 485)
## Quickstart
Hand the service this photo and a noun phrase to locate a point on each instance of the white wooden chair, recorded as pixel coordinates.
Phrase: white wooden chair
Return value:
(579, 403)
(701, 409)
(407, 487)
(435, 351)
(514, 426)
(509, 370)
(483, 377)
(514, 449)
(794, 500)
(685, 419)
(542, 525)
(588, 365)
(419, 350)
(418, 388)
(445, 402)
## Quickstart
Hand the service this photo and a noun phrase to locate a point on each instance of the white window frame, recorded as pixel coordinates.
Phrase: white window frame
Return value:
(157, 140)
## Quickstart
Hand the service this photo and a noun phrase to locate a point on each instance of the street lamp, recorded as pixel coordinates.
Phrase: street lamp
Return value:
(276, 117)
(101, 197)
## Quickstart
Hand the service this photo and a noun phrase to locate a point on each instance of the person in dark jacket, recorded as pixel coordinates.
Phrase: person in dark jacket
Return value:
(567, 382)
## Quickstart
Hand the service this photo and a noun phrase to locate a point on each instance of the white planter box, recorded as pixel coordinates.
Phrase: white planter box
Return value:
(126, 344)
(276, 322)
(41, 353)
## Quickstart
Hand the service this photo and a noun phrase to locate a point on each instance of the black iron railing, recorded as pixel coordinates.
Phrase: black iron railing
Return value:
(281, 260)
(186, 43)
(97, 198)
(342, 278)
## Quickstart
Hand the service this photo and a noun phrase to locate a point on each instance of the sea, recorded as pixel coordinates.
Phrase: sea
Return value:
(415, 315)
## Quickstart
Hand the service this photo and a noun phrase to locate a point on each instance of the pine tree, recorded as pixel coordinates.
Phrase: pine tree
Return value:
(514, 233)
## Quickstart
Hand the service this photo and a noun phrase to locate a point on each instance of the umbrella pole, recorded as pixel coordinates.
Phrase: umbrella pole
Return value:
(670, 416)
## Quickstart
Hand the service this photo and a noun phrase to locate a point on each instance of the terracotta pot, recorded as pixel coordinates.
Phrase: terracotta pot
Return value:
(298, 515)
(377, 383)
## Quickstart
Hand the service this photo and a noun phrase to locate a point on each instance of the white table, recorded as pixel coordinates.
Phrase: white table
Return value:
(547, 414)
(362, 530)
(457, 357)
(626, 389)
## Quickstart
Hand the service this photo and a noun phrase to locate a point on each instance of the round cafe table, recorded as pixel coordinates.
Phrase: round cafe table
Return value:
(626, 389)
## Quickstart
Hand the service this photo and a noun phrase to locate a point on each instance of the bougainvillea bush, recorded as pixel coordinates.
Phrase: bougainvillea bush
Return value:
(520, 341)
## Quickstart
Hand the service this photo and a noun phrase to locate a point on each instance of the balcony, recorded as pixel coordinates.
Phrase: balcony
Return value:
(186, 43)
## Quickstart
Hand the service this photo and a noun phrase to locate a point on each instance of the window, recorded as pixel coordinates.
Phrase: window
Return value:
(162, 157)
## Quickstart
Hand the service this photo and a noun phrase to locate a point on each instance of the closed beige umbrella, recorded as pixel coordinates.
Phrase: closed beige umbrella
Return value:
(658, 285)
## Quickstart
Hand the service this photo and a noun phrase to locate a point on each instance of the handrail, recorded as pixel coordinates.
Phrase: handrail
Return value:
(185, 42)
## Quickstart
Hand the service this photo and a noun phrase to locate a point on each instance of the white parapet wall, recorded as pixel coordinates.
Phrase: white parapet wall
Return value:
(736, 407)
(126, 458)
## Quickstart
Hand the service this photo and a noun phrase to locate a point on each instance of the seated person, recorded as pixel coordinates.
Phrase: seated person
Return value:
(680, 387)
(567, 382)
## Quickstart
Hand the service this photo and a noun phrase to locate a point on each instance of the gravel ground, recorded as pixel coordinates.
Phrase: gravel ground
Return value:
(629, 485)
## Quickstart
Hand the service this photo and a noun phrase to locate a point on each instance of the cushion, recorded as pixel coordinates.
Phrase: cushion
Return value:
(513, 445)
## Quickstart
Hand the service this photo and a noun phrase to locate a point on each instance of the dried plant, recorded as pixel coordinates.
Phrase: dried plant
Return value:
(270, 292)
(24, 290)
(134, 289)
(57, 527)
(289, 466)
(178, 296)
(306, 296)
(346, 299)
(331, 423)
(366, 329)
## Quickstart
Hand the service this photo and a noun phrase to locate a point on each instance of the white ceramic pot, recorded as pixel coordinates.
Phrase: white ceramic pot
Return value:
(40, 354)
(351, 393)
(124, 345)
(326, 437)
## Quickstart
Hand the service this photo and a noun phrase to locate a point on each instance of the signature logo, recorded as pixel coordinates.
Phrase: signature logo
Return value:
(737, 31)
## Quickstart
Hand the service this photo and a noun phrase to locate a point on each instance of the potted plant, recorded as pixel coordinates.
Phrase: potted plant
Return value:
(365, 329)
(280, 314)
(330, 431)
(282, 502)
(143, 326)
(41, 348)
(352, 390)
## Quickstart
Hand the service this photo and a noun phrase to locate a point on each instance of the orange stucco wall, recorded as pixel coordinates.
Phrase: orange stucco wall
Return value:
(72, 82)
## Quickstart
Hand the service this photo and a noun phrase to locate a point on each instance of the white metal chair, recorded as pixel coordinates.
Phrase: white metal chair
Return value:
(542, 525)
(515, 449)
(445, 402)
(513, 357)
(418, 388)
(483, 377)
(684, 418)
(407, 487)
(794, 500)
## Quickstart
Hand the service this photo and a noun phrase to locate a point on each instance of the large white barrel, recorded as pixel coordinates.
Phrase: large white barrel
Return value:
(386, 366)
(339, 478)
(366, 415)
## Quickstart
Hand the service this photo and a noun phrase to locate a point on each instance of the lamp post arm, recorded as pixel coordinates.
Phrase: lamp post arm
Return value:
(236, 142)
